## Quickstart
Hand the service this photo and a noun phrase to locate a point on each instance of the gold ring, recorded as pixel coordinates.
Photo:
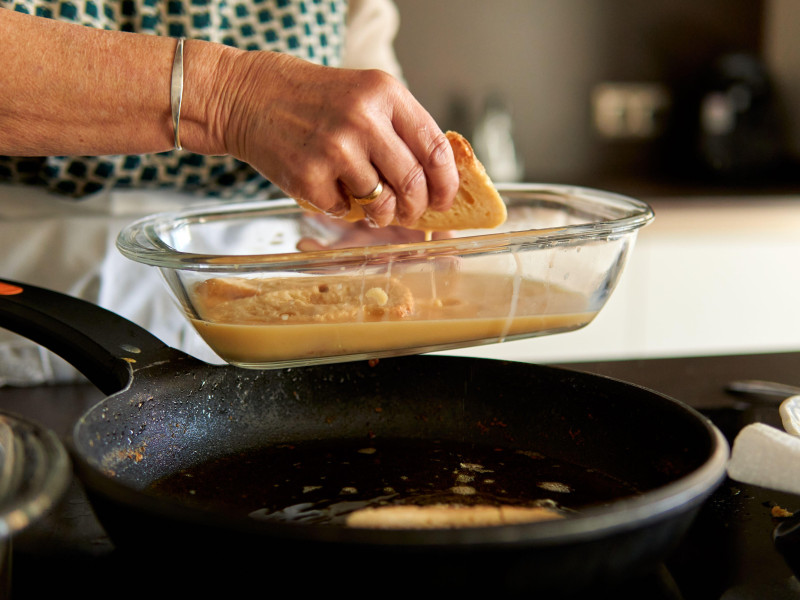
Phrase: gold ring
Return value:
(372, 196)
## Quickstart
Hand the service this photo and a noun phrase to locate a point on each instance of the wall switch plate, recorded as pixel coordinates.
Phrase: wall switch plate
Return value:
(635, 110)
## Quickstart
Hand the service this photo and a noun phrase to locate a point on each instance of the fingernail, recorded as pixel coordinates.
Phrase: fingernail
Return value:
(338, 211)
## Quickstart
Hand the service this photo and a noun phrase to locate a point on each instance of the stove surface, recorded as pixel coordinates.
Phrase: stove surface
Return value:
(728, 553)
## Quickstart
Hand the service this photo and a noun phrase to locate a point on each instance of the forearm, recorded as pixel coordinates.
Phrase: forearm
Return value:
(73, 90)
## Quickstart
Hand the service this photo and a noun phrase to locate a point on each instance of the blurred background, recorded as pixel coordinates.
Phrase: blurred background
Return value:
(657, 96)
(690, 105)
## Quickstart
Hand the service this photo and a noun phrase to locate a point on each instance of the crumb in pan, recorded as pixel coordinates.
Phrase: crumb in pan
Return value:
(780, 513)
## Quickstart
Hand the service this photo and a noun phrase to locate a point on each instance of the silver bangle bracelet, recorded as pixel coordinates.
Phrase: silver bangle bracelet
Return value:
(176, 91)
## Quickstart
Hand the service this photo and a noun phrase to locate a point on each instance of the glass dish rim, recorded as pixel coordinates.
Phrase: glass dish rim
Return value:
(139, 241)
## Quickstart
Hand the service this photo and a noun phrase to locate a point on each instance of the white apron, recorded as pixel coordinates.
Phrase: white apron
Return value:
(69, 246)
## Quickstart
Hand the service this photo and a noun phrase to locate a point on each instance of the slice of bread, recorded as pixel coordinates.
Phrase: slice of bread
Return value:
(293, 300)
(445, 516)
(477, 205)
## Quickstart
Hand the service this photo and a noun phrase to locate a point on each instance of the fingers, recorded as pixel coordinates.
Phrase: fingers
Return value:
(431, 149)
(369, 188)
(416, 159)
(372, 196)
(319, 188)
(390, 182)
(402, 146)
(411, 184)
(404, 176)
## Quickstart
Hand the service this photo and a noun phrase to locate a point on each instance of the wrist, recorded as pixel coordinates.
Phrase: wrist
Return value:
(206, 106)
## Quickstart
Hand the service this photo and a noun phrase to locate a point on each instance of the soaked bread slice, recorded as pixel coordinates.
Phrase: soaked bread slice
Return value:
(302, 300)
(477, 205)
(441, 516)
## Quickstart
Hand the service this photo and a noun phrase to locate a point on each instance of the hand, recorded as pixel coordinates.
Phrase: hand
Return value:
(319, 132)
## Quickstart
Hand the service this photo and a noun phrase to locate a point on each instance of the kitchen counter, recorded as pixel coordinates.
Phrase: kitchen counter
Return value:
(728, 553)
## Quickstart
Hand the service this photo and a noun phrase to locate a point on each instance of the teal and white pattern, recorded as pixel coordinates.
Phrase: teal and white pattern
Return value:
(310, 29)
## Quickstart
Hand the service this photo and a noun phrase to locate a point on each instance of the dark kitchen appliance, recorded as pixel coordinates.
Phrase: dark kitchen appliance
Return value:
(735, 117)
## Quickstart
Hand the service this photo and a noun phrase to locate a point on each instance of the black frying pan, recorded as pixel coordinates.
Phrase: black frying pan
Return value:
(166, 410)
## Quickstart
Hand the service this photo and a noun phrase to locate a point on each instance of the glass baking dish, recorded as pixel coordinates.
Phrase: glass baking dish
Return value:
(269, 285)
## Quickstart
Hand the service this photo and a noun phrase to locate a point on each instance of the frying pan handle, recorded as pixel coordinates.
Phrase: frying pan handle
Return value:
(100, 344)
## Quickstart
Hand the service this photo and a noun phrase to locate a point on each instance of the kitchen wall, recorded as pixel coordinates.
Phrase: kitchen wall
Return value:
(782, 53)
(544, 58)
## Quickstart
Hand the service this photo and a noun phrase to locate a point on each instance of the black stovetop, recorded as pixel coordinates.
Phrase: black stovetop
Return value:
(727, 554)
